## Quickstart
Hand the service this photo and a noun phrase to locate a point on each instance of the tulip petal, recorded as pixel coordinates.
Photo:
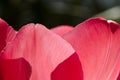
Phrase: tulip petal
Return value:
(6, 34)
(97, 44)
(43, 49)
(114, 56)
(118, 77)
(14, 69)
(60, 30)
(70, 69)
(113, 25)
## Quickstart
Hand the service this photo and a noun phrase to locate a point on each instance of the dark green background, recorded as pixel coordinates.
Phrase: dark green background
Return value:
(54, 12)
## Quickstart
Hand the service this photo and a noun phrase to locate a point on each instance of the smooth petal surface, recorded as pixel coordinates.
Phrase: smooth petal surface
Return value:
(6, 34)
(70, 69)
(60, 30)
(41, 48)
(14, 69)
(97, 44)
(118, 77)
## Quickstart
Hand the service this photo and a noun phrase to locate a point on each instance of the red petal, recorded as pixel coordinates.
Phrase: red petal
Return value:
(60, 30)
(70, 69)
(43, 49)
(14, 69)
(118, 77)
(98, 48)
(6, 34)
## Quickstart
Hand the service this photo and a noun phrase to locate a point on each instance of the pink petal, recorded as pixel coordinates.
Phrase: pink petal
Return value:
(6, 34)
(41, 48)
(97, 45)
(60, 30)
(114, 57)
(118, 77)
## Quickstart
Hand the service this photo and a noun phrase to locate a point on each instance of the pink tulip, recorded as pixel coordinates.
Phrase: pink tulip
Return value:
(96, 41)
(36, 53)
(90, 51)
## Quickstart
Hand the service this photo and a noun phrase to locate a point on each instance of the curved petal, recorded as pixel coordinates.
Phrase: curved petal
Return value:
(6, 34)
(97, 45)
(118, 77)
(60, 30)
(43, 50)
(14, 69)
(114, 57)
(113, 25)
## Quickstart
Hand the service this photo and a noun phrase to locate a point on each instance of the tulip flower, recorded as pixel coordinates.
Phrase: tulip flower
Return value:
(36, 53)
(90, 51)
(96, 41)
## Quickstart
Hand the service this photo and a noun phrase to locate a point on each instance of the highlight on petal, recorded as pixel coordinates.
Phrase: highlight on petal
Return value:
(113, 25)
(114, 58)
(60, 30)
(6, 34)
(42, 49)
(97, 45)
(118, 77)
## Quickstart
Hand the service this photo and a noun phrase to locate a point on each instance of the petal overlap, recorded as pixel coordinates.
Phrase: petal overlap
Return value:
(60, 30)
(41, 48)
(90, 51)
(97, 44)
(7, 34)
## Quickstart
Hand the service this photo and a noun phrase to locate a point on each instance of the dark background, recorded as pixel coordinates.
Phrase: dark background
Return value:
(52, 13)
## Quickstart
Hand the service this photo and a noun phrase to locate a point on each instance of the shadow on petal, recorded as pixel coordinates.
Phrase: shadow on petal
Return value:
(118, 77)
(70, 69)
(14, 69)
(113, 25)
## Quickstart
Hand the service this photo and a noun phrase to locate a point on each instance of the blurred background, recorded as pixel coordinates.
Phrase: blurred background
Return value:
(52, 13)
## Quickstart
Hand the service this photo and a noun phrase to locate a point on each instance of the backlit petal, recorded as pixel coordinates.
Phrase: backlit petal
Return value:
(41, 48)
(118, 77)
(97, 45)
(60, 30)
